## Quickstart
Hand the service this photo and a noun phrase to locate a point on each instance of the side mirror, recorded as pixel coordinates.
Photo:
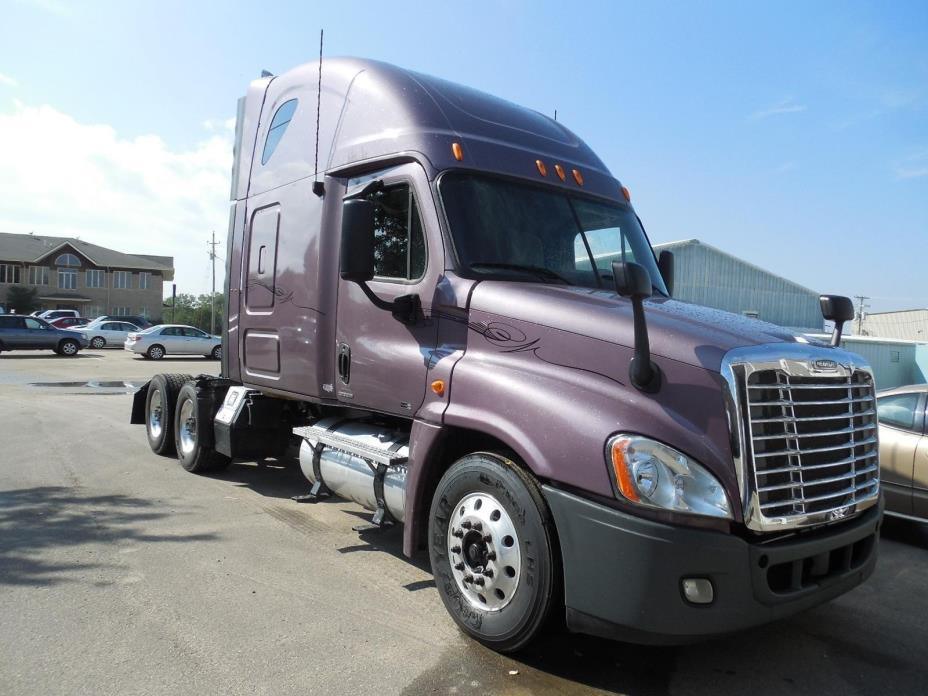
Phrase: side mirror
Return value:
(634, 282)
(665, 265)
(838, 309)
(356, 262)
(631, 280)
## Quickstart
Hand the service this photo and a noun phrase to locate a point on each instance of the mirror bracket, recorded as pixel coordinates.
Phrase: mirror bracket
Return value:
(405, 308)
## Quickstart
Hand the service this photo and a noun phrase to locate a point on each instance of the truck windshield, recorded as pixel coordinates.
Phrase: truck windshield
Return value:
(500, 227)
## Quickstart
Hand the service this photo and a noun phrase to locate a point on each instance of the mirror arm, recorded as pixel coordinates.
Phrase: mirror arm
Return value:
(644, 374)
(405, 308)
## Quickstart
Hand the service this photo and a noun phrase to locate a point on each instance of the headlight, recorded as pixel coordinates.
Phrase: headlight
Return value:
(654, 475)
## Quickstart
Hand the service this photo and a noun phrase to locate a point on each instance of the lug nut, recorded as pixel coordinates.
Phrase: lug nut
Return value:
(488, 573)
(491, 556)
(466, 524)
(478, 526)
(457, 533)
(478, 582)
(459, 566)
(468, 578)
(487, 538)
(455, 549)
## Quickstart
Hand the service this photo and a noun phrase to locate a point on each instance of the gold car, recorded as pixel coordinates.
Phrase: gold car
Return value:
(904, 450)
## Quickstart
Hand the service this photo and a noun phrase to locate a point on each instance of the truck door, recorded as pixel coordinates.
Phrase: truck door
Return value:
(381, 362)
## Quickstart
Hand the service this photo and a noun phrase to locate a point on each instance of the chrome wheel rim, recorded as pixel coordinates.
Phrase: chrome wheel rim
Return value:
(156, 353)
(217, 352)
(483, 548)
(155, 414)
(188, 427)
(98, 343)
(69, 349)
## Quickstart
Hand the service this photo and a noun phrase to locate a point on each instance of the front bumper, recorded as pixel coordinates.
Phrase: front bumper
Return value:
(622, 574)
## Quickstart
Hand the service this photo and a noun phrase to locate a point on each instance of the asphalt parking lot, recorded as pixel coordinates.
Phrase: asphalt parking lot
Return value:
(120, 573)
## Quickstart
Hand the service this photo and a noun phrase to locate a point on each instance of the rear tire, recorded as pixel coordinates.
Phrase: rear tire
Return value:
(501, 581)
(68, 348)
(155, 352)
(159, 411)
(191, 453)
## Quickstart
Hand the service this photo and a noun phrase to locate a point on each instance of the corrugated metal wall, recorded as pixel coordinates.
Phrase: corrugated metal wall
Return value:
(894, 364)
(705, 275)
(911, 325)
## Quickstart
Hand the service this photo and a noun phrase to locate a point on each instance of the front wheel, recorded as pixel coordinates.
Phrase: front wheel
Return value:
(68, 347)
(193, 455)
(493, 551)
(98, 342)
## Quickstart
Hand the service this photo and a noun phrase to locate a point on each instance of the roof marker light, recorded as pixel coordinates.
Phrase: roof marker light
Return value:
(542, 169)
(578, 177)
(627, 194)
(560, 172)
(457, 151)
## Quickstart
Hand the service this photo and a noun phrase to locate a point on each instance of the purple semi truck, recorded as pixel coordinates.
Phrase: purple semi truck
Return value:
(449, 304)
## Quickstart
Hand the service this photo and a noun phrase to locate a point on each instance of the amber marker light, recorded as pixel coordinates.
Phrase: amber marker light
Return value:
(457, 151)
(438, 386)
(578, 177)
(560, 172)
(623, 477)
(627, 194)
(542, 169)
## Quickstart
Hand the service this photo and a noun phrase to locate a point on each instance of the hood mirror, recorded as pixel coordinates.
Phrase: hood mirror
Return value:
(633, 281)
(838, 309)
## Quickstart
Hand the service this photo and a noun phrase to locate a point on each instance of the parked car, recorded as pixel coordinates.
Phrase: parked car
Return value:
(31, 333)
(69, 322)
(904, 450)
(136, 319)
(174, 339)
(104, 333)
(50, 314)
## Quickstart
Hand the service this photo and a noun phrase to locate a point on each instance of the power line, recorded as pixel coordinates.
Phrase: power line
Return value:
(862, 305)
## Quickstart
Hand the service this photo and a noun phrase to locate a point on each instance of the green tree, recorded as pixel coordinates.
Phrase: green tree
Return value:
(21, 299)
(193, 310)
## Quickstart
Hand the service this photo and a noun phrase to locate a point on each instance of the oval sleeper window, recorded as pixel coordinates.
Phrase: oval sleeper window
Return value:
(278, 126)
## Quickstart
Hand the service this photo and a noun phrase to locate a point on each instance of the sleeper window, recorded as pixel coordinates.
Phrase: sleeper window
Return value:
(399, 244)
(278, 125)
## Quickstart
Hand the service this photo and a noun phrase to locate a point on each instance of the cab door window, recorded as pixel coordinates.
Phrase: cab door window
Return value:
(399, 242)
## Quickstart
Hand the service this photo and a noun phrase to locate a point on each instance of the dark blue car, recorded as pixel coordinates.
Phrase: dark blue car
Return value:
(31, 333)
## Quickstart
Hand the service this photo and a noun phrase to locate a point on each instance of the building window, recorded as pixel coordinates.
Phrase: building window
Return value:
(894, 356)
(38, 275)
(67, 279)
(69, 260)
(96, 279)
(94, 311)
(281, 120)
(122, 280)
(144, 279)
(121, 311)
(144, 312)
(10, 273)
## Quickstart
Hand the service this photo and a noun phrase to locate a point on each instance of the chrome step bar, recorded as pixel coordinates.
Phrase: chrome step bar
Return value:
(350, 445)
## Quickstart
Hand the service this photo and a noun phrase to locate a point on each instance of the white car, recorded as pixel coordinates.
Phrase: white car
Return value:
(107, 333)
(174, 339)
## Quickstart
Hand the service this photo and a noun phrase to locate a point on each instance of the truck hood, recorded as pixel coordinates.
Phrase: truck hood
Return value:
(680, 331)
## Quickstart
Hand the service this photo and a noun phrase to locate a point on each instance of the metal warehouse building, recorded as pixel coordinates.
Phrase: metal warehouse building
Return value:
(708, 276)
(906, 324)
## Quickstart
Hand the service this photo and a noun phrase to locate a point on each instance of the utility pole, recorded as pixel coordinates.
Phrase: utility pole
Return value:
(212, 297)
(862, 305)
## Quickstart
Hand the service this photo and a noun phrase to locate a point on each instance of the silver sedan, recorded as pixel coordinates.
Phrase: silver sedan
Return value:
(174, 339)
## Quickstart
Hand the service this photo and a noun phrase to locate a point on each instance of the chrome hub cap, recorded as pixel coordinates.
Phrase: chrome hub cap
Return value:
(68, 349)
(484, 551)
(156, 352)
(188, 427)
(155, 414)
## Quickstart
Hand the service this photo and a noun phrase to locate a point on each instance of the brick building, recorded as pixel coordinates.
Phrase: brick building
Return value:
(71, 274)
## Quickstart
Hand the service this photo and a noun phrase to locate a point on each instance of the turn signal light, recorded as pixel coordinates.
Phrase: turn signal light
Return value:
(627, 194)
(578, 177)
(560, 172)
(457, 151)
(542, 169)
(623, 477)
(438, 386)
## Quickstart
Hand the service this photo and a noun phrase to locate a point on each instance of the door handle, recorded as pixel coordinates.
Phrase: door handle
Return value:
(344, 362)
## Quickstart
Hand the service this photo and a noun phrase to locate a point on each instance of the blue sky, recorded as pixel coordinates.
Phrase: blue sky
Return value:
(794, 135)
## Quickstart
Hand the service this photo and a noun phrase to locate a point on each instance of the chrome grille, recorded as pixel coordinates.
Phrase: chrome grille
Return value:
(806, 438)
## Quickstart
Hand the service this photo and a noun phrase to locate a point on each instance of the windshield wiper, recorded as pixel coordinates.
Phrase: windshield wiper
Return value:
(538, 271)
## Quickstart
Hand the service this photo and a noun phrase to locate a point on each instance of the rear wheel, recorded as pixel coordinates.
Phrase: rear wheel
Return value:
(156, 352)
(493, 551)
(159, 411)
(98, 342)
(193, 455)
(68, 347)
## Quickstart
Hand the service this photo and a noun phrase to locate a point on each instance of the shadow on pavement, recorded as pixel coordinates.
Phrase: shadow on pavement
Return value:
(36, 521)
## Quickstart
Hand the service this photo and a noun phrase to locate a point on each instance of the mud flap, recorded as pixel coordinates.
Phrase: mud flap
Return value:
(138, 405)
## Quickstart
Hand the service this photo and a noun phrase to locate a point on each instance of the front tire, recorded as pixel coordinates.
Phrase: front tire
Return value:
(493, 550)
(159, 411)
(68, 348)
(193, 455)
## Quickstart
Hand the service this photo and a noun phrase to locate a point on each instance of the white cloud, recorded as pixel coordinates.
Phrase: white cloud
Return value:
(8, 81)
(914, 166)
(784, 106)
(137, 195)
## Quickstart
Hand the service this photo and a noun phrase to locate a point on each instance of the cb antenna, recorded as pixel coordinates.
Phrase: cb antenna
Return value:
(318, 186)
